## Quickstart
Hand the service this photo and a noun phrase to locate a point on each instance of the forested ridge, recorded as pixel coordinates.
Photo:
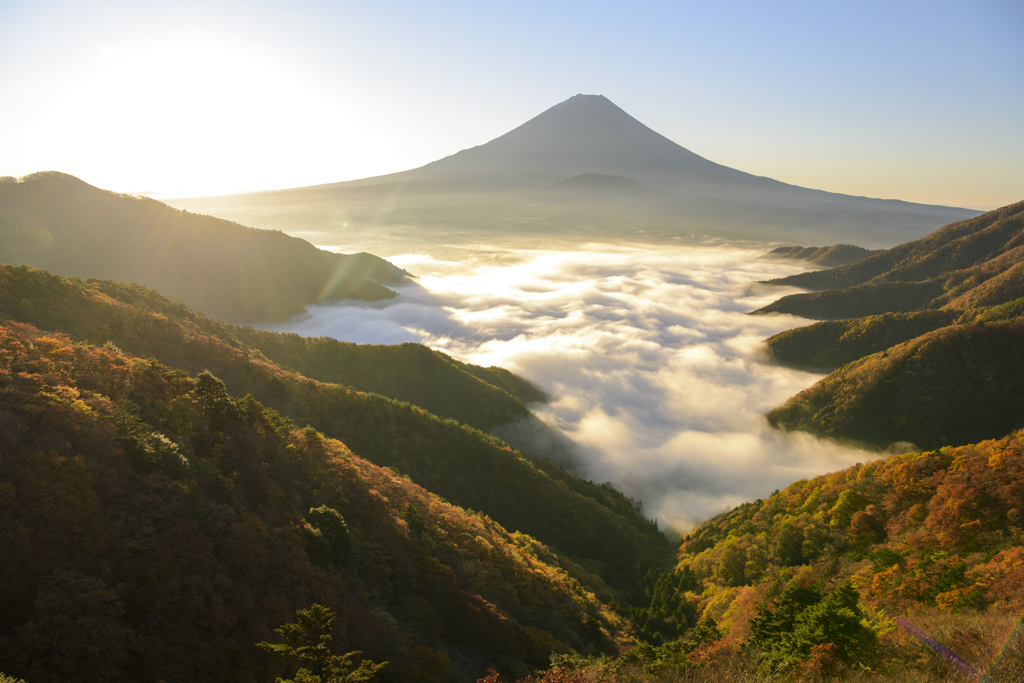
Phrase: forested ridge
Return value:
(95, 311)
(977, 260)
(481, 397)
(466, 466)
(153, 527)
(953, 386)
(174, 488)
(55, 221)
(829, 257)
(923, 341)
(935, 537)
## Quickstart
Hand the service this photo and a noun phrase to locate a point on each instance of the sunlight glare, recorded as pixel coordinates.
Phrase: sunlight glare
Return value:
(203, 108)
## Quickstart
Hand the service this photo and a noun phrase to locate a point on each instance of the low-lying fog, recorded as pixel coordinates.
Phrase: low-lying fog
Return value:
(653, 366)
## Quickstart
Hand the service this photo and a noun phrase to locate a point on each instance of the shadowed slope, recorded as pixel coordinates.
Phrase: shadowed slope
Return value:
(154, 527)
(952, 386)
(56, 221)
(930, 333)
(451, 459)
(959, 256)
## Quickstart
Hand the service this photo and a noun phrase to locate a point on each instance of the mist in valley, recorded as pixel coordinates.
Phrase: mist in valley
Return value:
(653, 367)
(612, 267)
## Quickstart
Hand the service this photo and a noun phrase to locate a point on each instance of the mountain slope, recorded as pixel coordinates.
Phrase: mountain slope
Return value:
(829, 257)
(928, 337)
(959, 257)
(934, 537)
(490, 190)
(828, 345)
(152, 527)
(952, 386)
(484, 398)
(56, 221)
(467, 467)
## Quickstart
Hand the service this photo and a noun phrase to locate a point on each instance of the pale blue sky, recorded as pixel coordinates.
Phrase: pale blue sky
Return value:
(914, 100)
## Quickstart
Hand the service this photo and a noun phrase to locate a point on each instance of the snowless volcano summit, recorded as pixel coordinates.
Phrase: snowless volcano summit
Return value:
(553, 175)
(584, 134)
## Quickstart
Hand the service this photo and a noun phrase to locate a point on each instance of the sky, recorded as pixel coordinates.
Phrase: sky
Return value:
(654, 368)
(922, 101)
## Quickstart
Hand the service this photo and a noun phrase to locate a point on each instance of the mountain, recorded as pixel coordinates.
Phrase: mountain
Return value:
(56, 221)
(593, 523)
(829, 257)
(585, 134)
(924, 341)
(932, 538)
(952, 386)
(485, 191)
(155, 527)
(959, 259)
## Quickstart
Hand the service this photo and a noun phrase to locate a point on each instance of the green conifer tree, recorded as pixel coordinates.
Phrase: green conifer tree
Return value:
(309, 641)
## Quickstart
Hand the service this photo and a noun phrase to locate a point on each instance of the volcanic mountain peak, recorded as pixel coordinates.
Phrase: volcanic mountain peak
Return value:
(512, 184)
(586, 100)
(580, 107)
(583, 134)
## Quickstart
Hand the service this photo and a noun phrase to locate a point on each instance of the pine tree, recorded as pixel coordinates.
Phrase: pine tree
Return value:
(309, 641)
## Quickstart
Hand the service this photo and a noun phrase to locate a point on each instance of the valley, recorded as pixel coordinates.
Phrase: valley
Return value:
(651, 364)
(568, 420)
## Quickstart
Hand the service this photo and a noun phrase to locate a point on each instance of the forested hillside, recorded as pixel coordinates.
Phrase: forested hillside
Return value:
(952, 386)
(469, 468)
(480, 397)
(153, 527)
(407, 372)
(827, 345)
(934, 537)
(828, 257)
(976, 260)
(924, 340)
(57, 222)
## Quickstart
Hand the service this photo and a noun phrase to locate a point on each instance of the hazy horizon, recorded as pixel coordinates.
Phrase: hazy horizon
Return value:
(587, 168)
(880, 100)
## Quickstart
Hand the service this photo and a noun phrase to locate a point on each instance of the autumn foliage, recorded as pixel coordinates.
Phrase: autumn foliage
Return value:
(449, 458)
(153, 526)
(934, 536)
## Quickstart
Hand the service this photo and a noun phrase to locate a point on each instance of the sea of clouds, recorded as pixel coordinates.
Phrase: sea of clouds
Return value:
(653, 366)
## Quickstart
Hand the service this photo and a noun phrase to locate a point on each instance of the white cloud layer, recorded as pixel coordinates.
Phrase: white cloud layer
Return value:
(653, 366)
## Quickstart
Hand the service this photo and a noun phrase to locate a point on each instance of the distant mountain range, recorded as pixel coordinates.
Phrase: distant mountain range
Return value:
(584, 165)
(55, 221)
